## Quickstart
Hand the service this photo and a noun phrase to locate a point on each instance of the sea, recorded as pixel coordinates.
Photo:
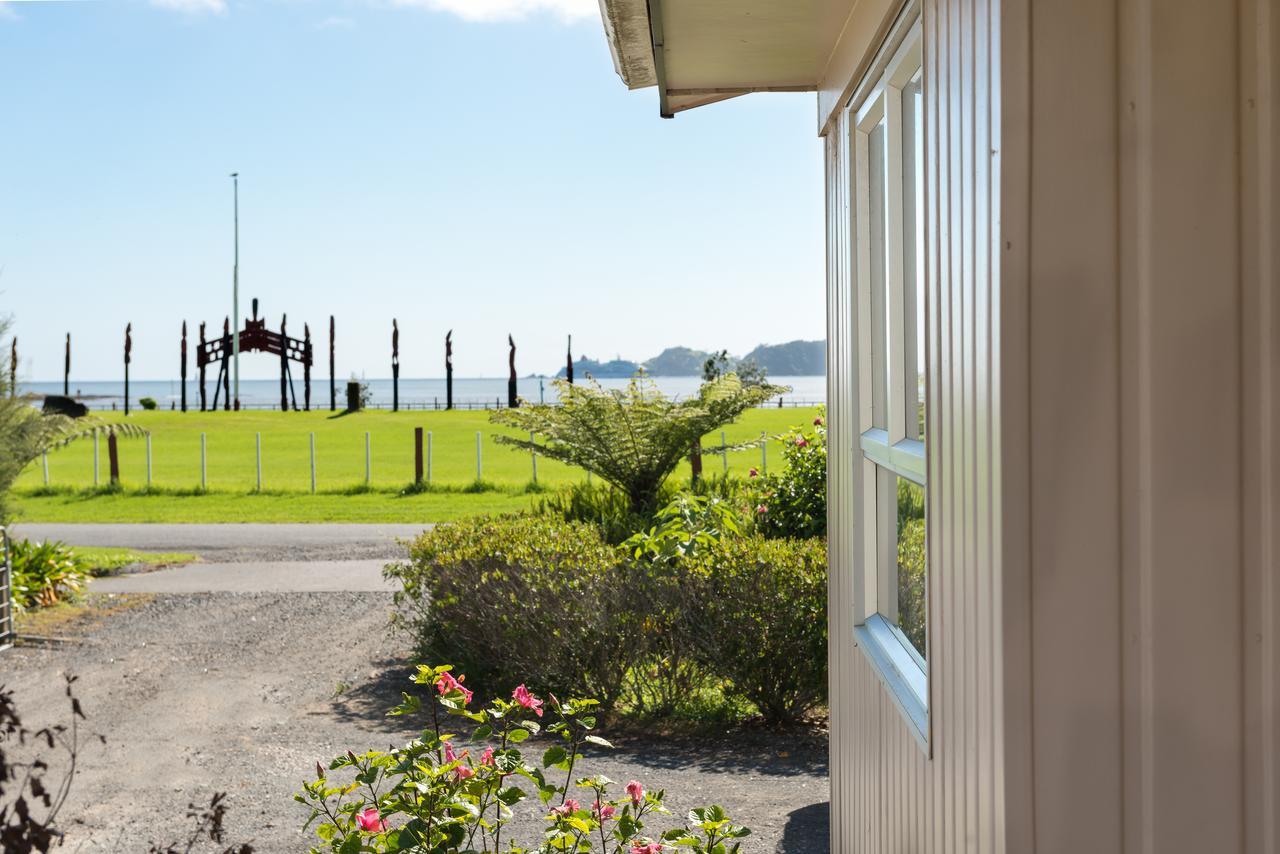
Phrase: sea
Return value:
(419, 393)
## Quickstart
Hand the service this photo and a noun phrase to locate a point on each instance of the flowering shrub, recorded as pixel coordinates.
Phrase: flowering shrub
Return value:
(794, 503)
(433, 795)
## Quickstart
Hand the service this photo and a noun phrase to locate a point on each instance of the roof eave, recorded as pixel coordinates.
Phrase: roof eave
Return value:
(626, 25)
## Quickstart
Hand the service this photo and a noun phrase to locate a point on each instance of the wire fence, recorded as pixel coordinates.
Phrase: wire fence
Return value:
(473, 405)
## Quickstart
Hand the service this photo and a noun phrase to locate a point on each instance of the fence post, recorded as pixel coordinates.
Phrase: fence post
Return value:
(148, 459)
(479, 467)
(368, 460)
(535, 459)
(428, 456)
(113, 458)
(259, 459)
(204, 463)
(313, 463)
(764, 452)
(95, 456)
(417, 455)
(44, 459)
(724, 454)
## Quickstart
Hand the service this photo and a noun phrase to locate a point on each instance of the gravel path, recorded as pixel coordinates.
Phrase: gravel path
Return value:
(243, 692)
(285, 576)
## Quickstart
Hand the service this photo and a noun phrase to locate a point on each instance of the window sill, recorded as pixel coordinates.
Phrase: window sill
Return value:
(901, 669)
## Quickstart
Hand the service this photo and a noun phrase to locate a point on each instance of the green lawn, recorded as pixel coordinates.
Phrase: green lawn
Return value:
(341, 494)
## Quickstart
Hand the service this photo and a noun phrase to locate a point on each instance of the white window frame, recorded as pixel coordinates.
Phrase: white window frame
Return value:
(891, 449)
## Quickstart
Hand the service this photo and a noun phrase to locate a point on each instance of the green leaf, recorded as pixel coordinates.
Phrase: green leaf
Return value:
(517, 735)
(555, 756)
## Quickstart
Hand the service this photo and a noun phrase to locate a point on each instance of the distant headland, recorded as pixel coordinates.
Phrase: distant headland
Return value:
(794, 359)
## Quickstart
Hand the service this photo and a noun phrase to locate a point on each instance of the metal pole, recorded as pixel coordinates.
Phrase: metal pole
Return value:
(479, 468)
(235, 292)
(44, 458)
(535, 460)
(95, 456)
(368, 461)
(259, 455)
(724, 454)
(764, 452)
(428, 456)
(148, 459)
(204, 463)
(313, 463)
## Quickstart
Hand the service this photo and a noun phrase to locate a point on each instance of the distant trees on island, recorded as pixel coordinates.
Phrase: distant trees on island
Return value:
(794, 358)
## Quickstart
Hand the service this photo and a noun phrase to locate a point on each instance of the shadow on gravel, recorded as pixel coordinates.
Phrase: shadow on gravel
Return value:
(802, 753)
(369, 701)
(808, 830)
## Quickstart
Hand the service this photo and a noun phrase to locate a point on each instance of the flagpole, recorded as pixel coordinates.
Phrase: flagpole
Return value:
(235, 294)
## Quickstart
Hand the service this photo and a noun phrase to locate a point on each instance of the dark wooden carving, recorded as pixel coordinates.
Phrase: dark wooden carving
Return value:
(512, 400)
(306, 367)
(255, 338)
(333, 386)
(395, 366)
(200, 363)
(113, 457)
(183, 363)
(226, 368)
(66, 369)
(128, 357)
(448, 370)
(13, 368)
(568, 368)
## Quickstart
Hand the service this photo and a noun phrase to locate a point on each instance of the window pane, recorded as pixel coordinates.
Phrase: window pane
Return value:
(913, 250)
(912, 568)
(879, 299)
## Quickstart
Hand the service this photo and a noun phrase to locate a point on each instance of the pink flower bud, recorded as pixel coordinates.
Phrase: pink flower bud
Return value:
(636, 791)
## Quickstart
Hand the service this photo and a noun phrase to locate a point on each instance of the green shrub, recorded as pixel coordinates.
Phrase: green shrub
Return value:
(911, 563)
(45, 574)
(761, 615)
(147, 402)
(794, 503)
(514, 599)
(599, 504)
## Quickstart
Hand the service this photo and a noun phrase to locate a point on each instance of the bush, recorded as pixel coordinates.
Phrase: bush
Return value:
(794, 503)
(911, 562)
(45, 574)
(598, 504)
(432, 796)
(762, 620)
(147, 402)
(519, 598)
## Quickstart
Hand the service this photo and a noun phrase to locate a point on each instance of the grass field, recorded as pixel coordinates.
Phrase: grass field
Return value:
(231, 495)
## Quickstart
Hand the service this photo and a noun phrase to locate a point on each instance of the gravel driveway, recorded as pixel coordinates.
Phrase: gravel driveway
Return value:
(244, 692)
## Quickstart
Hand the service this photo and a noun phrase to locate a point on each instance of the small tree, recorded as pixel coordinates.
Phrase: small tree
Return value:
(632, 438)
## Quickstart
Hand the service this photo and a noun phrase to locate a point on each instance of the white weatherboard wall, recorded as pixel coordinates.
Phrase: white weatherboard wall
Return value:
(1104, 424)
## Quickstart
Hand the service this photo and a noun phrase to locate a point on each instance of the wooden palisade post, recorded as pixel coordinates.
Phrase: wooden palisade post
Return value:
(568, 368)
(183, 370)
(66, 369)
(306, 367)
(395, 366)
(13, 368)
(203, 393)
(512, 400)
(113, 457)
(448, 370)
(333, 386)
(284, 364)
(128, 357)
(226, 364)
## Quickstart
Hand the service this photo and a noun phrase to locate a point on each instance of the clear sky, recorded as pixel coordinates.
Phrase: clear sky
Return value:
(465, 164)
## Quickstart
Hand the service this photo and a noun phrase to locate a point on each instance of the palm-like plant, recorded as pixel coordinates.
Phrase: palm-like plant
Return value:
(26, 432)
(632, 438)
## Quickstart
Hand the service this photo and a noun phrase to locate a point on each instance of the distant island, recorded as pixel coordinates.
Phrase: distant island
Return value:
(793, 359)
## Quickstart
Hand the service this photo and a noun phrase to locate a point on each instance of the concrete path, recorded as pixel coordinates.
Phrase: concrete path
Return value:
(251, 542)
(315, 576)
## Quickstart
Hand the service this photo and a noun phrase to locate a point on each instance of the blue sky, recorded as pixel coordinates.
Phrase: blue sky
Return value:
(465, 164)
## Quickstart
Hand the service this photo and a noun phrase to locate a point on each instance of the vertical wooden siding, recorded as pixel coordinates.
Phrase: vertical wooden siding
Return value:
(1104, 417)
(888, 795)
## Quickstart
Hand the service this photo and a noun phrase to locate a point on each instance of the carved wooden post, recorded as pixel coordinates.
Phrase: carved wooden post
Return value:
(395, 366)
(203, 394)
(226, 364)
(128, 357)
(333, 387)
(306, 367)
(183, 372)
(512, 400)
(569, 366)
(284, 364)
(13, 368)
(448, 370)
(66, 369)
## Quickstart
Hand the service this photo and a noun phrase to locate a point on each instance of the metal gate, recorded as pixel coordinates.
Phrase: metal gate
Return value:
(7, 632)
